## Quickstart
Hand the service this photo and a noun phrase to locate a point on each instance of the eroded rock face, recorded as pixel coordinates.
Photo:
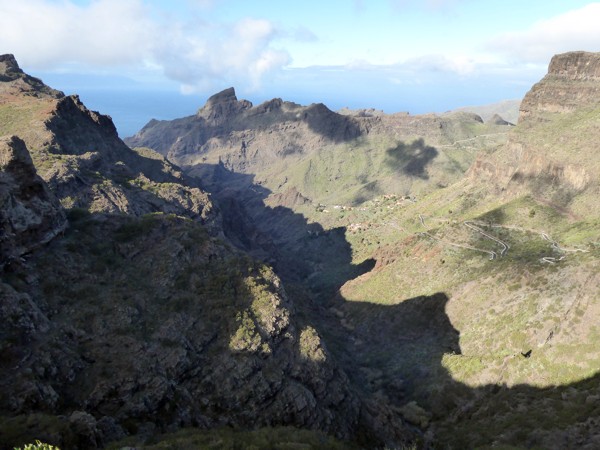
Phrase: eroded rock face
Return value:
(152, 326)
(222, 107)
(576, 66)
(552, 151)
(79, 154)
(14, 81)
(572, 82)
(30, 215)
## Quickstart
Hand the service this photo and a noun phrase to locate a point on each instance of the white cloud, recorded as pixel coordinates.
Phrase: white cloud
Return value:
(216, 54)
(460, 65)
(575, 30)
(45, 34)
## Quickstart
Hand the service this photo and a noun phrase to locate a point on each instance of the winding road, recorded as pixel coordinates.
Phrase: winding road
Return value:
(493, 254)
(475, 226)
(460, 141)
(472, 226)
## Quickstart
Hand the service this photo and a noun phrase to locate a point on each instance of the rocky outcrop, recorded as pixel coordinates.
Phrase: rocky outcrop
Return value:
(572, 83)
(85, 164)
(551, 153)
(222, 106)
(14, 81)
(152, 325)
(30, 215)
(290, 198)
(584, 66)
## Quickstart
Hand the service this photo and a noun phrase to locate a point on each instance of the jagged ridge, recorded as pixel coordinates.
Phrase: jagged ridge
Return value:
(79, 154)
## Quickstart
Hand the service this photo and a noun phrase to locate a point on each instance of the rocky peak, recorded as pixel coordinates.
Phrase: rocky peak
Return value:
(9, 66)
(222, 106)
(572, 83)
(15, 81)
(269, 106)
(225, 96)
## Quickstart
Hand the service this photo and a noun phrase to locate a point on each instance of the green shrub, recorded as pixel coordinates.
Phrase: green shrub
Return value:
(246, 338)
(37, 446)
(310, 345)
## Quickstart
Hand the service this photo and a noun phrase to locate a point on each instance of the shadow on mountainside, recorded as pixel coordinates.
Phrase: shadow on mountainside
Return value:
(397, 355)
(333, 126)
(299, 251)
(411, 159)
(141, 325)
(320, 119)
(145, 325)
(137, 326)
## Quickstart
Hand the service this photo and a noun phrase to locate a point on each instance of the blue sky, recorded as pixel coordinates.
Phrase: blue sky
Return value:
(395, 55)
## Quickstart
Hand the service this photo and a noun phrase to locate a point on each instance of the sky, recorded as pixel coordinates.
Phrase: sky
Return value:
(142, 59)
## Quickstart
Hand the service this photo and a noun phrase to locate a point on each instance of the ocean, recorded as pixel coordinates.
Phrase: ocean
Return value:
(132, 109)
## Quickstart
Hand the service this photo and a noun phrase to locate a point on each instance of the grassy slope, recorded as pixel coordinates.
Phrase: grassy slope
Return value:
(500, 307)
(360, 170)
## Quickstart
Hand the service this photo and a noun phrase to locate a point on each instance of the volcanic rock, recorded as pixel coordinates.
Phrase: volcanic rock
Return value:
(30, 214)
(572, 82)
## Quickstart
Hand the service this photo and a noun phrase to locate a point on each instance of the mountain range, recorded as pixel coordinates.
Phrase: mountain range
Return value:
(286, 276)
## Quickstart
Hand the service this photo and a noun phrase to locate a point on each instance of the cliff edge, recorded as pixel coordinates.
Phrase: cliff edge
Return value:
(572, 82)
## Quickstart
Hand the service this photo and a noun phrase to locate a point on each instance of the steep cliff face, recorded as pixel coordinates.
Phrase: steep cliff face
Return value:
(30, 215)
(552, 153)
(79, 154)
(572, 83)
